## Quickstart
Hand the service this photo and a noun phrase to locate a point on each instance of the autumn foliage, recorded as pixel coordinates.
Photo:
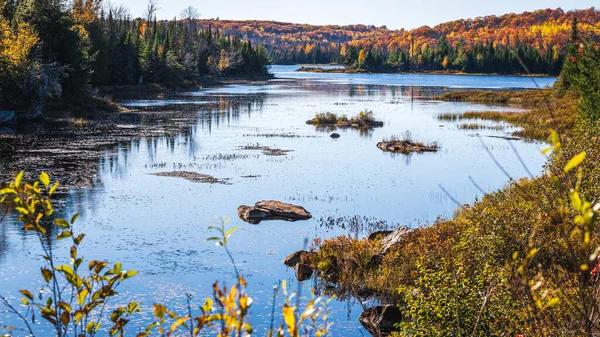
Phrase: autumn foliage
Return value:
(545, 31)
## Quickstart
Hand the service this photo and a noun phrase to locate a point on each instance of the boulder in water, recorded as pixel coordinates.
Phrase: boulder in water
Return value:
(272, 210)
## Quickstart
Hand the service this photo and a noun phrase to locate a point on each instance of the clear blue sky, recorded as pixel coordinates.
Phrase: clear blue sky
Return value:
(392, 13)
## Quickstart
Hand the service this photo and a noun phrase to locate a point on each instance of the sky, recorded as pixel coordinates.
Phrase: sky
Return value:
(394, 14)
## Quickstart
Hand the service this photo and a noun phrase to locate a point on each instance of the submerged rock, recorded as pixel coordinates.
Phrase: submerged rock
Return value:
(296, 257)
(380, 320)
(272, 210)
(406, 146)
(192, 176)
(267, 151)
(394, 238)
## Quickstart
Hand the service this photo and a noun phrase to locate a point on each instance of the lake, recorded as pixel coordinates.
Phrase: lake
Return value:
(158, 225)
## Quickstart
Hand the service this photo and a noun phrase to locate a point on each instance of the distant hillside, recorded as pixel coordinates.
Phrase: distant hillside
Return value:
(546, 30)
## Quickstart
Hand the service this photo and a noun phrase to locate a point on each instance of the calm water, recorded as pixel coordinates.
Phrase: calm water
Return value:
(158, 225)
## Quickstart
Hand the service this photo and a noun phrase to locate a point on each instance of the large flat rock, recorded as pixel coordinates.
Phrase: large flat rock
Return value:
(272, 210)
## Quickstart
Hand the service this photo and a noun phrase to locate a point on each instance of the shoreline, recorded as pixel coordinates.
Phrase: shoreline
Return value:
(317, 69)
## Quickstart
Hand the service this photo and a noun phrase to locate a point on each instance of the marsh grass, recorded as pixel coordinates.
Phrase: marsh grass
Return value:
(535, 123)
(523, 98)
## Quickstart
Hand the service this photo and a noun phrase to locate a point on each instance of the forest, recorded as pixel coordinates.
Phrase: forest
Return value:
(57, 49)
(488, 44)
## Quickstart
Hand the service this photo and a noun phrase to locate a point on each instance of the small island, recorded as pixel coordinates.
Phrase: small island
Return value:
(364, 120)
(406, 146)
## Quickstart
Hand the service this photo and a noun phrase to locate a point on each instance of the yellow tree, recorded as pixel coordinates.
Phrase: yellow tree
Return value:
(361, 57)
(86, 11)
(224, 62)
(445, 62)
(16, 43)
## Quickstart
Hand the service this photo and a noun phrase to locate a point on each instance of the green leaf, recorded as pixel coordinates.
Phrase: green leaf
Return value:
(575, 161)
(89, 328)
(81, 295)
(64, 235)
(62, 223)
(45, 179)
(74, 218)
(231, 231)
(67, 270)
(79, 238)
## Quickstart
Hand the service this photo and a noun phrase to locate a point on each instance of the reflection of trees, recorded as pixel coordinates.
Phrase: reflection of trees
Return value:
(228, 110)
(79, 156)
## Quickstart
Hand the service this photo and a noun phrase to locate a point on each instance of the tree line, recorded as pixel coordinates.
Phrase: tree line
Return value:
(477, 58)
(59, 49)
(483, 44)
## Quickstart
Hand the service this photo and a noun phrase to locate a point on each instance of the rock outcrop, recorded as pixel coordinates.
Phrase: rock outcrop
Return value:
(296, 257)
(393, 239)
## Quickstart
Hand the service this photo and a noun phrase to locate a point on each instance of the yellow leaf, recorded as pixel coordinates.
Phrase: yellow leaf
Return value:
(45, 179)
(575, 161)
(81, 296)
(290, 319)
(553, 302)
(19, 178)
(178, 323)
